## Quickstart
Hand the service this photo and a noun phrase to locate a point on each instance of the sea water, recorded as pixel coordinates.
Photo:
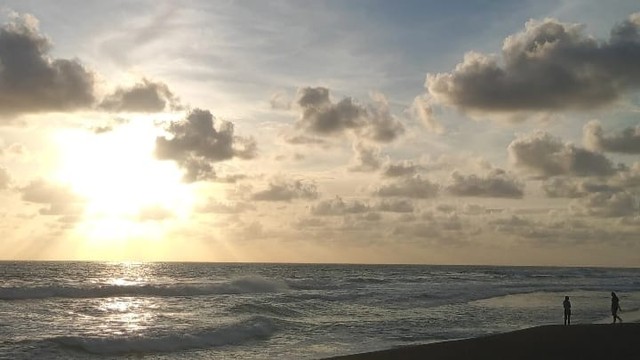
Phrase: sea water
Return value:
(91, 310)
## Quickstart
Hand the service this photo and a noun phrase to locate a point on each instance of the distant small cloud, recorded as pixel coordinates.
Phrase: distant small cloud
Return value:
(367, 158)
(321, 117)
(5, 179)
(544, 155)
(145, 96)
(413, 187)
(217, 207)
(59, 199)
(627, 142)
(280, 101)
(337, 206)
(287, 190)
(496, 183)
(422, 109)
(154, 213)
(406, 168)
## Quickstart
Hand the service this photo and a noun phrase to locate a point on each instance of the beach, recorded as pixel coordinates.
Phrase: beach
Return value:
(584, 342)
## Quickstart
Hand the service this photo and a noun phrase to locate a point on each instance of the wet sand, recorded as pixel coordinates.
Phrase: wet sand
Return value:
(584, 342)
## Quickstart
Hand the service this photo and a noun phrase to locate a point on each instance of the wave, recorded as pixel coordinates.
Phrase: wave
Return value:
(244, 285)
(265, 309)
(255, 328)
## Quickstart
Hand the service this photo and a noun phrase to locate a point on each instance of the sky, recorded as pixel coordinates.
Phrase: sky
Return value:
(425, 132)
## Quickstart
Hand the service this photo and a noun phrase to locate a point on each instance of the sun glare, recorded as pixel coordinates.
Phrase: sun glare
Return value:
(127, 191)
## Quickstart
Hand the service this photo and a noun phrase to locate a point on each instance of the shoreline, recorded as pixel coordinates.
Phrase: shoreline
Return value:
(583, 341)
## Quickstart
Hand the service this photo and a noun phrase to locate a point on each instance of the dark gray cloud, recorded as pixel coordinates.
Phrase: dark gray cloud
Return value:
(196, 145)
(627, 142)
(337, 206)
(287, 190)
(497, 183)
(320, 116)
(31, 81)
(406, 168)
(548, 66)
(59, 199)
(146, 96)
(414, 187)
(544, 155)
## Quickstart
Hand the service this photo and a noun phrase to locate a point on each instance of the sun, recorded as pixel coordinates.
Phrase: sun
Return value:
(124, 186)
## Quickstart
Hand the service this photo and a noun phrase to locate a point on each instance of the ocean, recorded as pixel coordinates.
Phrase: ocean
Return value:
(95, 310)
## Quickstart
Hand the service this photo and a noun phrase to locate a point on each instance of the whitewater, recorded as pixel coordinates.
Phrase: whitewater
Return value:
(95, 310)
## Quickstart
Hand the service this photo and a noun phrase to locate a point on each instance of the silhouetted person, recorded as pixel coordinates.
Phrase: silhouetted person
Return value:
(615, 307)
(567, 310)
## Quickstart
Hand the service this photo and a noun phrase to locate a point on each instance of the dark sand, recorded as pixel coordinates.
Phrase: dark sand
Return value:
(580, 342)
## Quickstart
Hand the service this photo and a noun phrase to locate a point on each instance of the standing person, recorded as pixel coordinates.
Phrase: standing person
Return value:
(567, 310)
(615, 307)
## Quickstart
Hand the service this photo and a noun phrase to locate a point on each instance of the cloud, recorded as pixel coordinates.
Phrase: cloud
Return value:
(422, 109)
(146, 96)
(304, 140)
(544, 155)
(60, 199)
(406, 168)
(337, 206)
(414, 187)
(627, 142)
(154, 213)
(5, 179)
(216, 207)
(31, 81)
(280, 101)
(196, 145)
(563, 187)
(321, 117)
(395, 205)
(606, 204)
(367, 158)
(287, 190)
(549, 66)
(497, 183)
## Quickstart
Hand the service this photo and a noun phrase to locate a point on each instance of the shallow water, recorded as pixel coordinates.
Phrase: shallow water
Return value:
(84, 310)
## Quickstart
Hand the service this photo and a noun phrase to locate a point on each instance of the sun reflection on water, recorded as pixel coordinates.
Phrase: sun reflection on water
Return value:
(126, 315)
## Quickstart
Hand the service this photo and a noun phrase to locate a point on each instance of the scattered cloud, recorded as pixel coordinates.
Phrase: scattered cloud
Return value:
(404, 168)
(549, 66)
(59, 199)
(287, 190)
(146, 96)
(321, 117)
(195, 144)
(30, 80)
(366, 157)
(337, 206)
(497, 183)
(5, 179)
(413, 187)
(627, 142)
(154, 213)
(217, 207)
(422, 109)
(544, 155)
